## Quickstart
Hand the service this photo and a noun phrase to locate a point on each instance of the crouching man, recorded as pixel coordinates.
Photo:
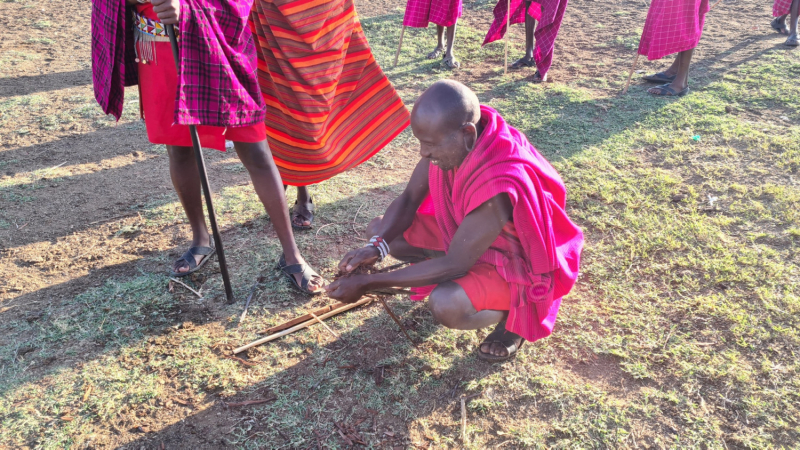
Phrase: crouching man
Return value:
(483, 215)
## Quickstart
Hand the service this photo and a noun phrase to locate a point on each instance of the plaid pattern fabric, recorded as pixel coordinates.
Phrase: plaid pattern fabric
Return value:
(112, 51)
(217, 81)
(781, 7)
(548, 15)
(441, 12)
(672, 26)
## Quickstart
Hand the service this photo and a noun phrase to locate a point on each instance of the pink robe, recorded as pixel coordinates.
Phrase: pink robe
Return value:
(672, 26)
(548, 15)
(781, 7)
(441, 12)
(541, 263)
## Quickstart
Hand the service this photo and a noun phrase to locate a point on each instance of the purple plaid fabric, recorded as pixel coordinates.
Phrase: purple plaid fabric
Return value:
(112, 51)
(217, 81)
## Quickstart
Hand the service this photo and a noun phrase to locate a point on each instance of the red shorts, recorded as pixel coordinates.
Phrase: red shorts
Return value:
(485, 287)
(158, 84)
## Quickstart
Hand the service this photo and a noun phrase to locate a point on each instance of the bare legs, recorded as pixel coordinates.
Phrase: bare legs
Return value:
(257, 159)
(444, 45)
(792, 41)
(448, 302)
(680, 69)
(530, 26)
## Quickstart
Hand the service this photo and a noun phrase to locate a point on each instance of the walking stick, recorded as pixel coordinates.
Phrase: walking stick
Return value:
(399, 46)
(508, 31)
(630, 74)
(201, 167)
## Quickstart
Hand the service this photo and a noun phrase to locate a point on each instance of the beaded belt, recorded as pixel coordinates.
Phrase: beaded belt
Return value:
(148, 31)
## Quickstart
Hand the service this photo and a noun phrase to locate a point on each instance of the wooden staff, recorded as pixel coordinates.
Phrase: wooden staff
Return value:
(399, 46)
(306, 324)
(508, 31)
(630, 75)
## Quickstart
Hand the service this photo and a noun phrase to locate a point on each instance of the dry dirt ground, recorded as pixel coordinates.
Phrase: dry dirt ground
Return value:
(85, 200)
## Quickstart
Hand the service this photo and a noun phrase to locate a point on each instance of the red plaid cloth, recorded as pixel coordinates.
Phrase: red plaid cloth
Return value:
(548, 15)
(112, 51)
(781, 7)
(672, 26)
(217, 82)
(441, 12)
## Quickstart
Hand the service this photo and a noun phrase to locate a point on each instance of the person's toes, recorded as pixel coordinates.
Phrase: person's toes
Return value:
(500, 350)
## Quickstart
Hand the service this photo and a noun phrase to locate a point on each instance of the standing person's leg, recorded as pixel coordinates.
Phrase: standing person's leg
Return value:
(792, 41)
(530, 26)
(257, 159)
(439, 50)
(779, 24)
(186, 181)
(303, 210)
(680, 68)
(449, 59)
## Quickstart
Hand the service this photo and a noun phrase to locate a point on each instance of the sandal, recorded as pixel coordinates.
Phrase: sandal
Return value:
(451, 62)
(306, 272)
(666, 90)
(503, 337)
(792, 41)
(522, 62)
(207, 253)
(538, 78)
(660, 77)
(779, 26)
(436, 53)
(310, 208)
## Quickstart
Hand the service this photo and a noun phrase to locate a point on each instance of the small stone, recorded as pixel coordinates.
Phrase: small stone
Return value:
(137, 154)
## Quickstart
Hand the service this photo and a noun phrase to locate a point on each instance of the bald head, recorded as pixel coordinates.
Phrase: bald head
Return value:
(449, 104)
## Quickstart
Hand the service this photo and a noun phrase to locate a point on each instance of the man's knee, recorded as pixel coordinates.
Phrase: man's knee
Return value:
(445, 303)
(179, 153)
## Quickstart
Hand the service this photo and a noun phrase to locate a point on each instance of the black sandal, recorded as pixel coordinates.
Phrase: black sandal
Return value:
(306, 272)
(207, 253)
(538, 78)
(779, 26)
(310, 208)
(522, 62)
(503, 337)
(666, 90)
(660, 77)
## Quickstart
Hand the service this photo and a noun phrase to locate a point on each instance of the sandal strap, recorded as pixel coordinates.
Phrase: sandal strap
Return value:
(201, 250)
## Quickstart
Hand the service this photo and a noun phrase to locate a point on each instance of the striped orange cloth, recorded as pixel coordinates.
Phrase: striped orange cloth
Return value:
(329, 105)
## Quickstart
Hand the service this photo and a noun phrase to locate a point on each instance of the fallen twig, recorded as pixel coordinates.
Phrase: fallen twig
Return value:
(249, 402)
(247, 303)
(187, 287)
(246, 363)
(303, 318)
(396, 320)
(324, 325)
(463, 421)
(291, 330)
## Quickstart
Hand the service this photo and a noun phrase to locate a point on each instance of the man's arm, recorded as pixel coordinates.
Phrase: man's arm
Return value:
(474, 236)
(397, 219)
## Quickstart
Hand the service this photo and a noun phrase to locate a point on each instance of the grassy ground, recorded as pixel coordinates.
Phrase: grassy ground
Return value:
(683, 331)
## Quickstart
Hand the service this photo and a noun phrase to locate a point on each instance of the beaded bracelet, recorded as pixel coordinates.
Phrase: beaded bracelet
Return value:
(381, 245)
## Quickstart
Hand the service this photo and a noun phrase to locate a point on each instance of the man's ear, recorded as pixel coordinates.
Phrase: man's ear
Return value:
(470, 134)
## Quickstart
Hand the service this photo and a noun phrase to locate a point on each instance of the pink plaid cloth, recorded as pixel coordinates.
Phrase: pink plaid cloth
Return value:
(781, 7)
(672, 26)
(548, 15)
(441, 12)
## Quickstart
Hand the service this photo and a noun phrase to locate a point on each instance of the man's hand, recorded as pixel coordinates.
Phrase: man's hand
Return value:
(363, 256)
(168, 11)
(348, 290)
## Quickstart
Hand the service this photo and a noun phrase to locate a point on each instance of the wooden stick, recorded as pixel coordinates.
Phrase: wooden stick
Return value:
(324, 325)
(187, 287)
(303, 318)
(715, 4)
(508, 31)
(291, 330)
(399, 46)
(630, 75)
(396, 320)
(247, 304)
(463, 421)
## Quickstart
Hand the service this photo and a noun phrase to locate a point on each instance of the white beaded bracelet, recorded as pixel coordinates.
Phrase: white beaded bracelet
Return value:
(381, 245)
